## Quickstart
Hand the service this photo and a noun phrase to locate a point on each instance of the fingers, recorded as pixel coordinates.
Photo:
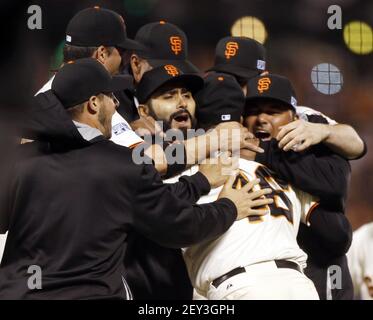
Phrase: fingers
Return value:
(288, 137)
(230, 181)
(293, 143)
(257, 194)
(252, 147)
(286, 129)
(257, 212)
(247, 187)
(303, 146)
(261, 202)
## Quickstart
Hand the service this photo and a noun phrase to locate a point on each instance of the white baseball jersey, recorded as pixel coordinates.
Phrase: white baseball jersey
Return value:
(254, 239)
(360, 262)
(121, 131)
(303, 112)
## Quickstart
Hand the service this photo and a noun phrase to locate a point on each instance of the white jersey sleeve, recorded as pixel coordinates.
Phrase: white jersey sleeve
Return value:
(308, 204)
(360, 262)
(303, 112)
(122, 132)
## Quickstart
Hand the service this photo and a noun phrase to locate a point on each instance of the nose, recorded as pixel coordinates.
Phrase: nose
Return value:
(262, 118)
(182, 102)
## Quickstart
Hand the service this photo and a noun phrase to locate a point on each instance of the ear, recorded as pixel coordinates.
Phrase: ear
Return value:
(93, 105)
(143, 110)
(101, 54)
(295, 116)
(241, 119)
(135, 63)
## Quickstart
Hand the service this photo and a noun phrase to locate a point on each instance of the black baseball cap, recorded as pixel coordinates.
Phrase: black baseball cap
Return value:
(167, 74)
(96, 26)
(164, 43)
(273, 87)
(221, 100)
(239, 56)
(79, 80)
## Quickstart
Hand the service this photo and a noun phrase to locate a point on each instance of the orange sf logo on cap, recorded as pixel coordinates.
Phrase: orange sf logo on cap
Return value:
(171, 70)
(231, 49)
(175, 42)
(263, 84)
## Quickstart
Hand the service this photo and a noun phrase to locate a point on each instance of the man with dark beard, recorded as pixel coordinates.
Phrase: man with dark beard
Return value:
(156, 272)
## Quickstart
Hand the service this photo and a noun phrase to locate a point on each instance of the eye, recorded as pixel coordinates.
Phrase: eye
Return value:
(168, 96)
(187, 95)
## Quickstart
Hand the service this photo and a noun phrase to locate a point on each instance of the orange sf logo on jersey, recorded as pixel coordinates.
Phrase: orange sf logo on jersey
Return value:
(171, 70)
(263, 84)
(176, 42)
(231, 49)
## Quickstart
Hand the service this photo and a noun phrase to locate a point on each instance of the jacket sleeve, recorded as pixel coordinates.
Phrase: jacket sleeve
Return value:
(171, 222)
(329, 230)
(190, 188)
(317, 171)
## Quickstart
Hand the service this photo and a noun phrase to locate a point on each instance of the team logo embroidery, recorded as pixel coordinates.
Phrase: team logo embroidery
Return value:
(260, 64)
(293, 101)
(263, 84)
(176, 42)
(231, 49)
(171, 70)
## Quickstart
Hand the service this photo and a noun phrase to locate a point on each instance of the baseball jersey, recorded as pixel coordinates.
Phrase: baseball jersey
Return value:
(303, 113)
(254, 239)
(121, 131)
(360, 262)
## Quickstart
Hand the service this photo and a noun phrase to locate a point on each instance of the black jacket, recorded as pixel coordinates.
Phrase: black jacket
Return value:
(72, 205)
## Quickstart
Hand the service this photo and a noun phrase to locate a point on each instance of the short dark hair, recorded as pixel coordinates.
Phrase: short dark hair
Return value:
(75, 52)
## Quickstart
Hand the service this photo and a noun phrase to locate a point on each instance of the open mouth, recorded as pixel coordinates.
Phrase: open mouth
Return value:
(262, 135)
(184, 117)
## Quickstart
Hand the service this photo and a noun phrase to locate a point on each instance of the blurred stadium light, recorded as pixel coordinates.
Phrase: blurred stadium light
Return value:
(327, 78)
(250, 27)
(358, 37)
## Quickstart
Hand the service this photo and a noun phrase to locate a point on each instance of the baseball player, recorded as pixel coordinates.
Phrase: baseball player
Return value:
(311, 128)
(245, 58)
(156, 272)
(101, 33)
(258, 258)
(360, 261)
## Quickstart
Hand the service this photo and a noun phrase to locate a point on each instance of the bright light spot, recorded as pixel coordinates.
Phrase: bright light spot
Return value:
(327, 78)
(358, 37)
(250, 27)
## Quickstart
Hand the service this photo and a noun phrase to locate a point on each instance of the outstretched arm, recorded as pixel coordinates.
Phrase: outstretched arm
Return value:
(340, 138)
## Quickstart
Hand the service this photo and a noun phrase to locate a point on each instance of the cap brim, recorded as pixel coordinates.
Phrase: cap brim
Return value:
(254, 98)
(236, 71)
(184, 65)
(119, 83)
(192, 82)
(130, 44)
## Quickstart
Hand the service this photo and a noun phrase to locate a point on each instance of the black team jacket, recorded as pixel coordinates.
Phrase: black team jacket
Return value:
(70, 206)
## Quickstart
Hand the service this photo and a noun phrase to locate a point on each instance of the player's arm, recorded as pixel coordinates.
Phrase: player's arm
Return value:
(226, 136)
(329, 230)
(340, 138)
(171, 222)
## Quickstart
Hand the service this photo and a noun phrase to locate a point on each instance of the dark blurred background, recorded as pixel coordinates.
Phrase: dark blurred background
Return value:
(295, 34)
